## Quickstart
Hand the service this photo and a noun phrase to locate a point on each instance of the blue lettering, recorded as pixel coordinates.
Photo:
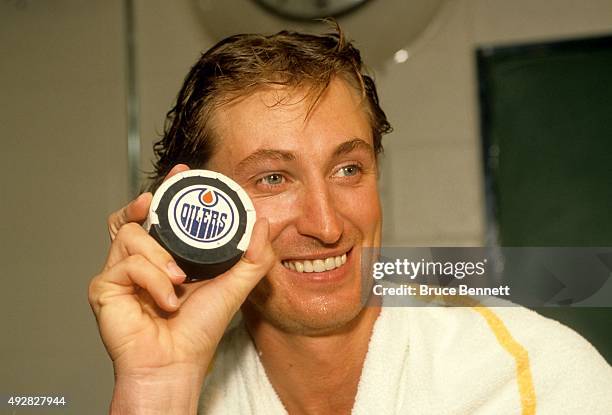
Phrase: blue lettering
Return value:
(212, 231)
(185, 214)
(222, 218)
(195, 223)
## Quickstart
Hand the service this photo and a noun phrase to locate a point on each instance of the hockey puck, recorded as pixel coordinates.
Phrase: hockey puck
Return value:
(204, 220)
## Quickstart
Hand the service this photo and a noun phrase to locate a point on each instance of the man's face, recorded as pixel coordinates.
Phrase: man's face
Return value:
(315, 179)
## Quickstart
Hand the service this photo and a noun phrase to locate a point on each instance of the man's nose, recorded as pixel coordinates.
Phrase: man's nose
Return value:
(319, 216)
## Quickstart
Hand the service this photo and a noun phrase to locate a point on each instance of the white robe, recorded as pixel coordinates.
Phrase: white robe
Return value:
(440, 360)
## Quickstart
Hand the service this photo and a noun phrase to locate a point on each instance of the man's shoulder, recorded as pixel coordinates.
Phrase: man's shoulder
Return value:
(506, 325)
(540, 336)
(499, 317)
(565, 367)
(549, 364)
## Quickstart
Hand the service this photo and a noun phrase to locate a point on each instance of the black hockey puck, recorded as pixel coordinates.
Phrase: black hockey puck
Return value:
(204, 220)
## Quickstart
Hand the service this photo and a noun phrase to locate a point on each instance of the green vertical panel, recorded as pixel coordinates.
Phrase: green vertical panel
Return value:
(547, 128)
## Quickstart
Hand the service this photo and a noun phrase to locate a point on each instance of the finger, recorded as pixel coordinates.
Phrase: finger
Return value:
(135, 211)
(133, 271)
(179, 168)
(240, 280)
(259, 242)
(132, 239)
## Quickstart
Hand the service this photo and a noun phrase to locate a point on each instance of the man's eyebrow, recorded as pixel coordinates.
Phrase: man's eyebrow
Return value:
(352, 145)
(263, 155)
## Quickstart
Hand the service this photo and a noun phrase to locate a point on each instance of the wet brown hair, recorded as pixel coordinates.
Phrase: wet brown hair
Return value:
(240, 64)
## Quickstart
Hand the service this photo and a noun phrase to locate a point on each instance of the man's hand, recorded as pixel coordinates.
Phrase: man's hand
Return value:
(162, 335)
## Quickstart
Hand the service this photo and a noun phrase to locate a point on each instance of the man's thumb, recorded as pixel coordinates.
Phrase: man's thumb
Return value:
(252, 267)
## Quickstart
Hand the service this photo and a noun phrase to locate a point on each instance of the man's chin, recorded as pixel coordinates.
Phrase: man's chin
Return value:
(317, 317)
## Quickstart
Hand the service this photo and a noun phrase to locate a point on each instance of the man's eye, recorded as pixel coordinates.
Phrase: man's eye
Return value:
(351, 170)
(273, 179)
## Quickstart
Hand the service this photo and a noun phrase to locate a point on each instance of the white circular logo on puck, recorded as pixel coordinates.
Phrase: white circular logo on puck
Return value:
(203, 216)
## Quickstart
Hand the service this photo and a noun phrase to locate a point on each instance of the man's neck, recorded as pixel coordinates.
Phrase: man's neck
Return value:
(315, 374)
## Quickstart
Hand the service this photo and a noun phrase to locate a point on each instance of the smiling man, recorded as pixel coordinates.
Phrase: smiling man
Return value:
(295, 122)
(292, 119)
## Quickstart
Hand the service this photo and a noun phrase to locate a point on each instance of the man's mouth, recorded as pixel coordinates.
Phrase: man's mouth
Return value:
(316, 265)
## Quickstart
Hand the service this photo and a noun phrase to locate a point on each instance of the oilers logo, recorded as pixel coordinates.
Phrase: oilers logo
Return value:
(203, 219)
(203, 214)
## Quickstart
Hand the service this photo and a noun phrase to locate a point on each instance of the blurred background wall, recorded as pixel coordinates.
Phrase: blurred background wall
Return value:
(64, 144)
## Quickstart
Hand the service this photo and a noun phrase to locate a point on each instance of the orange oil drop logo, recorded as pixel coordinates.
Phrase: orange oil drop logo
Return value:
(207, 198)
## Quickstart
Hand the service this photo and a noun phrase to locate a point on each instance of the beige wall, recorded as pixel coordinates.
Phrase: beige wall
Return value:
(64, 151)
(169, 39)
(63, 168)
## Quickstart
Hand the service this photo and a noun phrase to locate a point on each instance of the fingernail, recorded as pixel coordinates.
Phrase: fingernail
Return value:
(172, 300)
(174, 270)
(140, 196)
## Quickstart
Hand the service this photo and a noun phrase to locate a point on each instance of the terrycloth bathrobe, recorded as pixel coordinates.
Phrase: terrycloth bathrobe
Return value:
(440, 360)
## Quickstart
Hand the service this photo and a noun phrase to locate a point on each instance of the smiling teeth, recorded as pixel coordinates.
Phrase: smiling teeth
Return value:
(317, 265)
